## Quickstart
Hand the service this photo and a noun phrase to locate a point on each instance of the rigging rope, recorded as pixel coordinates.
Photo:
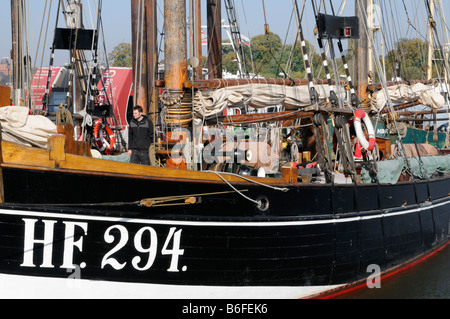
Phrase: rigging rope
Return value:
(333, 97)
(353, 97)
(50, 67)
(259, 203)
(389, 104)
(314, 96)
(148, 202)
(43, 48)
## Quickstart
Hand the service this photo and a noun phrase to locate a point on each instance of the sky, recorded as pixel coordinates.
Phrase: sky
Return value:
(116, 15)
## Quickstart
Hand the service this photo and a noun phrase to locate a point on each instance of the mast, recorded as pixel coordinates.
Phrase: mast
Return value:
(152, 56)
(144, 47)
(175, 44)
(195, 30)
(370, 22)
(17, 52)
(362, 49)
(214, 13)
(431, 25)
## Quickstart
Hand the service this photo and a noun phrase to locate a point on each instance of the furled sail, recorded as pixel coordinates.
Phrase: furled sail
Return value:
(400, 93)
(19, 126)
(211, 102)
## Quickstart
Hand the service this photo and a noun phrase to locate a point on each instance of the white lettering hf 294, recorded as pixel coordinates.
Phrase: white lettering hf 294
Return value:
(146, 234)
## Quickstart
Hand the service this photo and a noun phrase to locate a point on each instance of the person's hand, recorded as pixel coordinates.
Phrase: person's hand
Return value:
(129, 153)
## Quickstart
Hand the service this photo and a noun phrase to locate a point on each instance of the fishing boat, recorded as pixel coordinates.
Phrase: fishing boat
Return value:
(227, 210)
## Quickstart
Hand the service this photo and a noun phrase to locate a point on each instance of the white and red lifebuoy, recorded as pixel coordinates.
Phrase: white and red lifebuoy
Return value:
(102, 133)
(368, 145)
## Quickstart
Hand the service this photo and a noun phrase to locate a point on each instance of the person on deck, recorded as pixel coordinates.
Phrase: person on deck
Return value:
(140, 137)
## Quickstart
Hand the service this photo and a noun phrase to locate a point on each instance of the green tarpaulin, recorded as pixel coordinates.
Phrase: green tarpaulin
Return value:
(389, 171)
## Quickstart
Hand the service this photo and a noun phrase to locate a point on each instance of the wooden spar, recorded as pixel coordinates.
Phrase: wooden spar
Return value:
(361, 53)
(403, 119)
(432, 112)
(261, 117)
(214, 16)
(402, 106)
(221, 83)
(277, 116)
(144, 47)
(175, 44)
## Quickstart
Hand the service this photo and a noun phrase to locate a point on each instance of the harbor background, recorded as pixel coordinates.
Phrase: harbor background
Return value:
(427, 280)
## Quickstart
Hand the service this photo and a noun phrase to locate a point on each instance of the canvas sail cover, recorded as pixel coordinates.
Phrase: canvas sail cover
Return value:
(212, 102)
(406, 93)
(18, 126)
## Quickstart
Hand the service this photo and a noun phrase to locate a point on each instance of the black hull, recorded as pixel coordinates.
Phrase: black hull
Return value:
(308, 236)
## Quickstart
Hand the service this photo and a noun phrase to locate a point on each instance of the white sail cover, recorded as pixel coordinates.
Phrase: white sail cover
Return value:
(18, 126)
(400, 93)
(211, 102)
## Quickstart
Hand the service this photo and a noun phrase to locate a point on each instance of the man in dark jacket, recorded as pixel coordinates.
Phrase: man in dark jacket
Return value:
(140, 136)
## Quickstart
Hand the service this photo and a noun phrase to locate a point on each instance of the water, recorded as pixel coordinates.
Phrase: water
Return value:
(427, 280)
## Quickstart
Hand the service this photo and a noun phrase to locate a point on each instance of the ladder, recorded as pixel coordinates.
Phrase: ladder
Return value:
(236, 39)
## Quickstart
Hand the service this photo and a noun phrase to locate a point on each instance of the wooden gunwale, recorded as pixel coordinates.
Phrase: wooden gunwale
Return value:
(22, 157)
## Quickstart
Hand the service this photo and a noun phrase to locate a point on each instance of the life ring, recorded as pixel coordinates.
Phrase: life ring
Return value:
(103, 134)
(370, 144)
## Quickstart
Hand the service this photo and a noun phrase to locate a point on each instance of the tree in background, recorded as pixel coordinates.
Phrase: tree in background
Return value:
(229, 61)
(121, 56)
(412, 55)
(267, 54)
(271, 59)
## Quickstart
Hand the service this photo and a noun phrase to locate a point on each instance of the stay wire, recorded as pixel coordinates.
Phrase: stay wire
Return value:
(269, 44)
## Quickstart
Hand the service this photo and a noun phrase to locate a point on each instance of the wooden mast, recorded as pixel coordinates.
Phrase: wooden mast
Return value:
(17, 52)
(431, 27)
(195, 28)
(214, 13)
(198, 38)
(362, 49)
(431, 24)
(151, 29)
(144, 47)
(175, 44)
(139, 69)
